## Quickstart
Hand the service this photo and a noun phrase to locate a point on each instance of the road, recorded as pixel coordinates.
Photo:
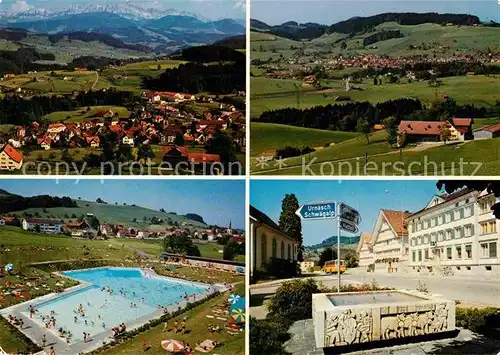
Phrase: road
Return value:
(96, 80)
(468, 290)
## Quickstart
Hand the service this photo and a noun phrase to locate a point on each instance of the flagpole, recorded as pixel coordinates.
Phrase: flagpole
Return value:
(338, 249)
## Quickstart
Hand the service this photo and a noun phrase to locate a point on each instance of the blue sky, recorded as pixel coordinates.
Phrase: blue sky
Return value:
(210, 9)
(368, 197)
(327, 12)
(217, 201)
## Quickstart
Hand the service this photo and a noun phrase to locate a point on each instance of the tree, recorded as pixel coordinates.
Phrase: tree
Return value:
(290, 223)
(231, 250)
(401, 139)
(363, 126)
(343, 46)
(178, 244)
(392, 130)
(327, 255)
(179, 139)
(351, 259)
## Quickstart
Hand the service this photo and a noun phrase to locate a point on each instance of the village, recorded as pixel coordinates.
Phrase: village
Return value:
(88, 227)
(167, 121)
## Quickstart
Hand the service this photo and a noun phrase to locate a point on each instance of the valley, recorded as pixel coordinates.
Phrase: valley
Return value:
(365, 76)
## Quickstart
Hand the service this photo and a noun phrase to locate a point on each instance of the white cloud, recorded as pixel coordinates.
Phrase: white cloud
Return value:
(241, 4)
(20, 6)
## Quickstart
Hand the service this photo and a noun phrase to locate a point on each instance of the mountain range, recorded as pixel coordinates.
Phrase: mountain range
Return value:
(165, 30)
(345, 242)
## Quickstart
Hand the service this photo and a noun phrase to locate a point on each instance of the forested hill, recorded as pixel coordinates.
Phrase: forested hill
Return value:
(359, 24)
(295, 31)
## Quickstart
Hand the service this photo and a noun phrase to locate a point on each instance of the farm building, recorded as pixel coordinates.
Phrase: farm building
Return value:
(488, 132)
(460, 129)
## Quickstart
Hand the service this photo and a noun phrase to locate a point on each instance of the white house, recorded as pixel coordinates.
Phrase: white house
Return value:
(47, 226)
(80, 229)
(365, 249)
(455, 234)
(390, 241)
(268, 241)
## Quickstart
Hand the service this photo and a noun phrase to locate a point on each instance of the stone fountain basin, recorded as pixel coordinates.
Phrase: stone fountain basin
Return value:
(362, 317)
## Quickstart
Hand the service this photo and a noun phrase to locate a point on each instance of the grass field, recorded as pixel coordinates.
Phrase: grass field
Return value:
(347, 149)
(439, 39)
(270, 136)
(271, 94)
(116, 214)
(348, 158)
(83, 115)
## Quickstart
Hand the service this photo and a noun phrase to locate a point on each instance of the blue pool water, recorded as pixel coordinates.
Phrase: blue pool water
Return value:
(114, 296)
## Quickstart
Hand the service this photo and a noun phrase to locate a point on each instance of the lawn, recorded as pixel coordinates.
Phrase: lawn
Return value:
(83, 115)
(442, 160)
(272, 94)
(197, 324)
(347, 149)
(21, 248)
(270, 136)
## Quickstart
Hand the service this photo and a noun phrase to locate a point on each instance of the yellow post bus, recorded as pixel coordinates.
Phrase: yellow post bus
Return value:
(330, 267)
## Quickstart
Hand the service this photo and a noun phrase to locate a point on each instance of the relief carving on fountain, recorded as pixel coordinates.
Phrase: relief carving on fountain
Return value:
(413, 324)
(348, 327)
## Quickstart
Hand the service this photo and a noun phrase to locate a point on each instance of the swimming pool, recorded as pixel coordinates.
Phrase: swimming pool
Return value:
(112, 296)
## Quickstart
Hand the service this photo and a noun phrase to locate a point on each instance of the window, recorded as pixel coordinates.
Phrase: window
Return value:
(282, 250)
(274, 249)
(489, 250)
(440, 219)
(458, 250)
(449, 234)
(448, 253)
(468, 251)
(458, 232)
(488, 227)
(493, 250)
(467, 231)
(456, 215)
(440, 236)
(420, 255)
(264, 249)
(426, 254)
(413, 256)
(448, 217)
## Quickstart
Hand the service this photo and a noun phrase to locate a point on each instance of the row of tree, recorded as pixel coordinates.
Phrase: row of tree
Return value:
(342, 117)
(361, 116)
(12, 203)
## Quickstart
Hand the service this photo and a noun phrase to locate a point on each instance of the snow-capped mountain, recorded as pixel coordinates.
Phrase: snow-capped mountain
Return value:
(126, 10)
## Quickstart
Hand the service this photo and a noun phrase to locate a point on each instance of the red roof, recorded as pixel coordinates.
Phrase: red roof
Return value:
(491, 128)
(183, 150)
(44, 139)
(75, 224)
(397, 221)
(12, 153)
(462, 122)
(213, 122)
(203, 158)
(422, 127)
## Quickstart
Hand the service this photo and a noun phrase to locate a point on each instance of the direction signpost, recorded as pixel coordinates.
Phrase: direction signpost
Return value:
(348, 220)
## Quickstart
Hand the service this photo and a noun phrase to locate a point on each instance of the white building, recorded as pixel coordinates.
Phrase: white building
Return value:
(455, 234)
(306, 266)
(390, 241)
(365, 249)
(47, 226)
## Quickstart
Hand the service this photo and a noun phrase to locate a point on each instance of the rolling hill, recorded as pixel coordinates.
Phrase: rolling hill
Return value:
(114, 213)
